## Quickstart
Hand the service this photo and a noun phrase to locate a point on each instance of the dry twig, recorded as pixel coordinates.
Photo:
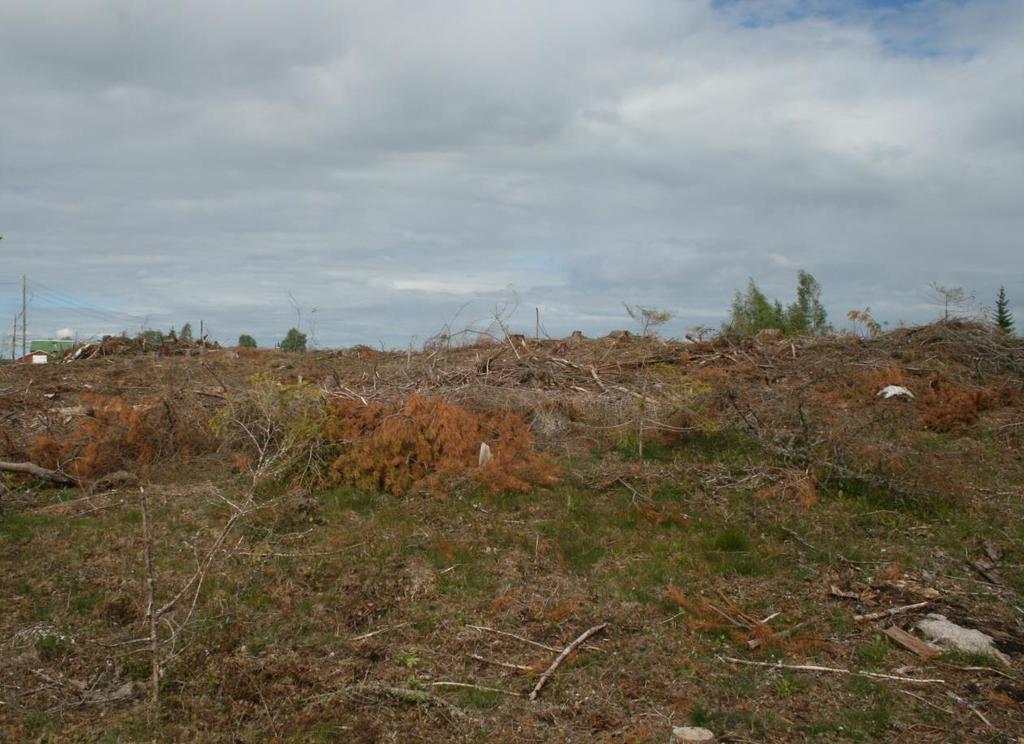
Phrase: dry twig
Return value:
(832, 670)
(466, 685)
(892, 612)
(562, 657)
(513, 635)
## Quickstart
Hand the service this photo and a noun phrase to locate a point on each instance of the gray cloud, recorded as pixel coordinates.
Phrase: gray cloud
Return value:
(389, 163)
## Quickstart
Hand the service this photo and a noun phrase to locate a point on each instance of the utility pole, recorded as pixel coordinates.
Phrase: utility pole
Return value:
(24, 315)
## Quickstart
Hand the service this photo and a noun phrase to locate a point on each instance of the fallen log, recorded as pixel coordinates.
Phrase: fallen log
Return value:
(30, 468)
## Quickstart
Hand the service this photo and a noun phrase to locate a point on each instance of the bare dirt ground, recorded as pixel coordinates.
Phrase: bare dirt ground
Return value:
(335, 563)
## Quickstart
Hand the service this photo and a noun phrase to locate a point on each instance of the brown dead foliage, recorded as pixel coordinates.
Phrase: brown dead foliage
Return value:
(705, 616)
(798, 486)
(950, 407)
(117, 435)
(659, 514)
(419, 444)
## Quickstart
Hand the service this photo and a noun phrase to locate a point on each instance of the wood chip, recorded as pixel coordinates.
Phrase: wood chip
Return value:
(835, 591)
(912, 643)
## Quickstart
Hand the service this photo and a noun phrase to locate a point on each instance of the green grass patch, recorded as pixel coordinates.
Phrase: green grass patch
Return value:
(628, 449)
(729, 539)
(476, 699)
(579, 547)
(21, 527)
(463, 571)
(731, 552)
(728, 446)
(343, 499)
(873, 498)
(873, 652)
(870, 715)
(84, 603)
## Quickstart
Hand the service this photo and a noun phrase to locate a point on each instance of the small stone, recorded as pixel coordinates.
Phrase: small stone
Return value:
(692, 735)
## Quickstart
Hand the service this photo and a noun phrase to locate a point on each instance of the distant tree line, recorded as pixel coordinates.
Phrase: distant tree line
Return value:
(156, 338)
(294, 341)
(752, 311)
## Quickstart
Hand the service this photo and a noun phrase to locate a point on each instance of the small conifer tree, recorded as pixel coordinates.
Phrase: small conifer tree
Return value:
(1003, 319)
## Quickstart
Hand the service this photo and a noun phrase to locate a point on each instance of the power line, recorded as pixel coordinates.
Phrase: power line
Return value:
(68, 302)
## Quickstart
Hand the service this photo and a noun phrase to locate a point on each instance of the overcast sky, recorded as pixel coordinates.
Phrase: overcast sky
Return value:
(391, 163)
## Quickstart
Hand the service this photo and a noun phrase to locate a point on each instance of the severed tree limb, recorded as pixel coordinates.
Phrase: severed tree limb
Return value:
(927, 702)
(970, 706)
(151, 614)
(403, 694)
(833, 670)
(513, 635)
(496, 662)
(190, 589)
(563, 656)
(30, 468)
(989, 670)
(468, 686)
(200, 572)
(890, 612)
(636, 494)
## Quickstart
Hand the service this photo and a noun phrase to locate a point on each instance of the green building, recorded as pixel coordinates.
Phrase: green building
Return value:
(52, 346)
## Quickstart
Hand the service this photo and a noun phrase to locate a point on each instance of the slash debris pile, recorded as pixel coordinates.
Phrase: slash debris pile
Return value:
(396, 422)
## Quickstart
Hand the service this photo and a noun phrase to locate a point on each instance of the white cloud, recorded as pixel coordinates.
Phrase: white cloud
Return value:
(392, 160)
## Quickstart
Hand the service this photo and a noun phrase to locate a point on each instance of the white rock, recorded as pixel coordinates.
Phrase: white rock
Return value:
(937, 628)
(692, 735)
(895, 391)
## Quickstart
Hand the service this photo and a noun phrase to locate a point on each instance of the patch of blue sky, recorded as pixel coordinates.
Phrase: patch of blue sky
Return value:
(904, 27)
